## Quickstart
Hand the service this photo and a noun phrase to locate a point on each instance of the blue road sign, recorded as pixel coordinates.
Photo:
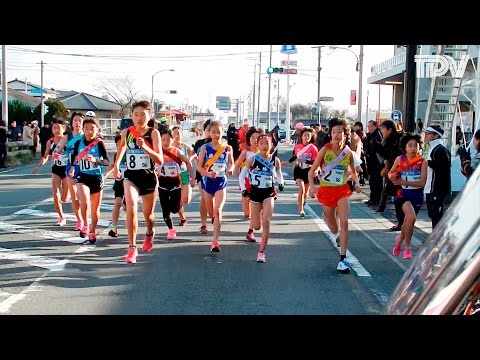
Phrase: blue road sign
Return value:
(37, 90)
(396, 115)
(289, 49)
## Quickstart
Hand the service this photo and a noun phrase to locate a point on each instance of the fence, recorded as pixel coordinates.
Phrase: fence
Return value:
(18, 147)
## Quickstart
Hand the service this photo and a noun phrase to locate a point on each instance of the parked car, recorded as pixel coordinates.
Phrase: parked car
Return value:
(125, 123)
(444, 278)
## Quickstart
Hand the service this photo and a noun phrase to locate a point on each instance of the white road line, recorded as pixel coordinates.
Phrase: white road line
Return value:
(18, 168)
(44, 234)
(380, 247)
(50, 264)
(6, 304)
(41, 213)
(355, 264)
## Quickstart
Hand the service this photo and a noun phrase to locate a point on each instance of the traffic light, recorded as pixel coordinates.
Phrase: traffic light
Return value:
(171, 91)
(275, 70)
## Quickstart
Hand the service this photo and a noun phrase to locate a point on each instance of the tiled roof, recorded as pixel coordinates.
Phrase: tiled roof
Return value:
(83, 101)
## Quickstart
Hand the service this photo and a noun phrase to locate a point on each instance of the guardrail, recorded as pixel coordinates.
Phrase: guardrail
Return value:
(18, 147)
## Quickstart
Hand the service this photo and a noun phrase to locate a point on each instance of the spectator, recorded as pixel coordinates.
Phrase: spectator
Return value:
(241, 135)
(438, 185)
(14, 133)
(470, 163)
(27, 134)
(374, 155)
(232, 140)
(35, 133)
(3, 144)
(419, 125)
(458, 136)
(322, 137)
(45, 135)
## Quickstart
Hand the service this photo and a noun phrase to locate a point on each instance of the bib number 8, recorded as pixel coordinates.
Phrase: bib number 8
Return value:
(132, 161)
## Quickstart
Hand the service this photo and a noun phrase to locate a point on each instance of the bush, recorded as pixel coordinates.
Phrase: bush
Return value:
(19, 159)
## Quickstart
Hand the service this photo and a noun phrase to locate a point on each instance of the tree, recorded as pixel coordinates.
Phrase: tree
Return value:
(299, 110)
(55, 109)
(121, 91)
(283, 104)
(19, 112)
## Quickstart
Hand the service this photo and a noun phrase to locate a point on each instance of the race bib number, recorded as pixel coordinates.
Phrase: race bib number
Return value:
(137, 160)
(169, 170)
(411, 178)
(219, 168)
(122, 169)
(261, 180)
(86, 165)
(61, 160)
(334, 177)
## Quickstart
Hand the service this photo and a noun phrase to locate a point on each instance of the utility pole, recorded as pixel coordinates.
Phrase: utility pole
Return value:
(253, 97)
(269, 85)
(360, 85)
(4, 85)
(278, 102)
(259, 83)
(287, 121)
(42, 110)
(319, 70)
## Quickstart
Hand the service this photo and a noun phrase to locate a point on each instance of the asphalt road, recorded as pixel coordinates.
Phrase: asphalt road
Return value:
(44, 269)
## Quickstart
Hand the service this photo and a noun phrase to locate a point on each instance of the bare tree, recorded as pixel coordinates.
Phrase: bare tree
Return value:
(283, 104)
(121, 91)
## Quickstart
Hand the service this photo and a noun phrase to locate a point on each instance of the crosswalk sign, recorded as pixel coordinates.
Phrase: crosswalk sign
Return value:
(289, 49)
(396, 115)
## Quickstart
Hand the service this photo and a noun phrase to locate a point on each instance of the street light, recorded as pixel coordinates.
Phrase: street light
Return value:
(153, 76)
(359, 69)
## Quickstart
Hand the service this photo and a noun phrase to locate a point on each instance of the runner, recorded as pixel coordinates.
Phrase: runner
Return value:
(59, 163)
(169, 182)
(251, 136)
(261, 169)
(304, 154)
(143, 150)
(410, 172)
(214, 161)
(198, 177)
(118, 191)
(184, 173)
(76, 124)
(335, 160)
(90, 154)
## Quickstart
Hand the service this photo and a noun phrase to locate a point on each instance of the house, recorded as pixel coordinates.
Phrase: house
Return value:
(28, 100)
(174, 116)
(107, 112)
(32, 89)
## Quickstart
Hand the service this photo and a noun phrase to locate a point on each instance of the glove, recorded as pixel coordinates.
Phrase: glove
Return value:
(245, 193)
(281, 187)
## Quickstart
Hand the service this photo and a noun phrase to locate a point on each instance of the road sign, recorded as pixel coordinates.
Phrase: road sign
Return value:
(396, 115)
(223, 103)
(326, 98)
(37, 90)
(288, 63)
(289, 49)
(290, 71)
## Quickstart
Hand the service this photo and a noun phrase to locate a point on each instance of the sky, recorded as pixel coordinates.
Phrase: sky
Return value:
(202, 72)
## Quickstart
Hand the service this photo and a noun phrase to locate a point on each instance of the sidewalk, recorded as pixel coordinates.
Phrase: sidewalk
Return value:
(423, 225)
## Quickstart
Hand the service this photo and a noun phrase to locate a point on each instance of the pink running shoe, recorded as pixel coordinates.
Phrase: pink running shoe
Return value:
(398, 246)
(84, 231)
(172, 234)
(148, 242)
(132, 254)
(215, 247)
(79, 225)
(407, 253)
(261, 257)
(62, 222)
(250, 237)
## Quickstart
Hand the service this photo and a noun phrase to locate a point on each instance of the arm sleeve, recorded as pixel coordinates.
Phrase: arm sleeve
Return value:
(280, 178)
(241, 178)
(75, 149)
(103, 153)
